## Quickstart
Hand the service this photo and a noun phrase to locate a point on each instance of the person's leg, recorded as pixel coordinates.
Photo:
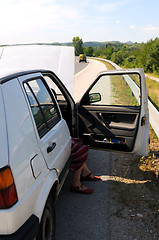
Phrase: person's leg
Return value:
(76, 177)
(85, 170)
(76, 183)
(86, 174)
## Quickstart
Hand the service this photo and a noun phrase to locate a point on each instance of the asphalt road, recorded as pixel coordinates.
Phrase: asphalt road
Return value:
(80, 66)
(84, 217)
(87, 74)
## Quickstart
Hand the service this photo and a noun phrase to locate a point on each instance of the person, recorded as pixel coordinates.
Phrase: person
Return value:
(79, 154)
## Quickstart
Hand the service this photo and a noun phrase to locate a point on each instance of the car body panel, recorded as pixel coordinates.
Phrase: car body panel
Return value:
(22, 148)
(3, 130)
(58, 59)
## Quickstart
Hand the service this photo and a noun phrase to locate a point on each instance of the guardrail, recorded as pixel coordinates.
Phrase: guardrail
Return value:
(153, 112)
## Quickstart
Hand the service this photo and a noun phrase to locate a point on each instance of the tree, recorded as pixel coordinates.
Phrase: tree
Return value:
(109, 50)
(77, 43)
(89, 51)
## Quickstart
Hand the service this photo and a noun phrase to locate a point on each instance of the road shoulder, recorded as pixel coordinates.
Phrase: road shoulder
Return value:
(134, 198)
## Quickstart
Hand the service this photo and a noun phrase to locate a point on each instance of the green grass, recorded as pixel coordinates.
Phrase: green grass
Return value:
(122, 93)
(153, 91)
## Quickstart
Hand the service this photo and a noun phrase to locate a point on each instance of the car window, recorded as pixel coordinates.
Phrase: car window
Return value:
(43, 106)
(56, 91)
(117, 89)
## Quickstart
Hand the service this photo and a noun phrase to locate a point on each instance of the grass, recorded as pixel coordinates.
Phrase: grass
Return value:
(151, 163)
(122, 92)
(108, 65)
(153, 91)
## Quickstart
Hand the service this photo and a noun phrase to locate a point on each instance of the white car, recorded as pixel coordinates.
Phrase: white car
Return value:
(38, 117)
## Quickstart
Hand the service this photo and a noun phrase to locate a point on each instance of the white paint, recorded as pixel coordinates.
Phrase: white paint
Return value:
(59, 59)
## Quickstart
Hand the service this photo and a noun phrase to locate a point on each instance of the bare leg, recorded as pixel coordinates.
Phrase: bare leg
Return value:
(76, 177)
(85, 171)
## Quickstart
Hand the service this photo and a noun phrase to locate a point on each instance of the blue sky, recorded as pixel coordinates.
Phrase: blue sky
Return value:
(46, 21)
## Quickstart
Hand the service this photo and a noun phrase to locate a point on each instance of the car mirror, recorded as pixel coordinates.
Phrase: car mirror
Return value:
(94, 97)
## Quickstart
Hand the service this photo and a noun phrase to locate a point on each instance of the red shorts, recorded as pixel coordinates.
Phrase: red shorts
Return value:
(79, 153)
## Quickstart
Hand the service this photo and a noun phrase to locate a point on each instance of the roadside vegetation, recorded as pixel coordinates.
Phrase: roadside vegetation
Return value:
(122, 94)
(126, 55)
(153, 91)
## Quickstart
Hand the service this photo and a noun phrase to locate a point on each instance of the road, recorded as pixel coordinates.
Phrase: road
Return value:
(80, 66)
(78, 216)
(85, 74)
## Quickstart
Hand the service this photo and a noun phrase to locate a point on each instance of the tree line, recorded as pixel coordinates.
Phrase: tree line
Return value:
(136, 55)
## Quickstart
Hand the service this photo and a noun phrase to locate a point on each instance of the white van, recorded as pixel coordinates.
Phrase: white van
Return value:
(38, 118)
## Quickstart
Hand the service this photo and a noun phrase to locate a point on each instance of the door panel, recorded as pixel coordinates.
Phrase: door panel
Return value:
(110, 113)
(113, 128)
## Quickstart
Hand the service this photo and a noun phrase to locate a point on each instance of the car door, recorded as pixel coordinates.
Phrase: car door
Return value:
(52, 132)
(113, 113)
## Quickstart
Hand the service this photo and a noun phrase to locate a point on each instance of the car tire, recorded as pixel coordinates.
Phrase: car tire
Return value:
(47, 225)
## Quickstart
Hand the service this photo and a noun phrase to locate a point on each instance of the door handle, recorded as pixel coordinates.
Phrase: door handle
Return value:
(50, 148)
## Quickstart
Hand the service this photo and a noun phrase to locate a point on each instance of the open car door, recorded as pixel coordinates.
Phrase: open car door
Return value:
(113, 113)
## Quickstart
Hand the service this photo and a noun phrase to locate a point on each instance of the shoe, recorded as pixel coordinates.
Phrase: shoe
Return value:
(89, 178)
(78, 190)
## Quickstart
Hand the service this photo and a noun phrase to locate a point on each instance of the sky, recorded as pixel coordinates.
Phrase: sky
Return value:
(48, 21)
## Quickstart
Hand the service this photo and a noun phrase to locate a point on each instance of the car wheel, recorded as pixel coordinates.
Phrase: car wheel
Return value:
(47, 225)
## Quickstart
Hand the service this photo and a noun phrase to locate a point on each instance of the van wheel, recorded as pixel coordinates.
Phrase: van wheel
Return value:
(47, 225)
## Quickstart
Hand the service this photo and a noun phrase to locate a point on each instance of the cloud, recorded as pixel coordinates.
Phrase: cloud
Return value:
(151, 29)
(117, 22)
(132, 27)
(109, 7)
(24, 18)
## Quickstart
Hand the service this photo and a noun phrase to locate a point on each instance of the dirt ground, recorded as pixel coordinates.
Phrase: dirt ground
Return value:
(134, 191)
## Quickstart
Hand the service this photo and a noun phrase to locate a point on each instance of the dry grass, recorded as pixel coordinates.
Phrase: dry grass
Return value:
(151, 163)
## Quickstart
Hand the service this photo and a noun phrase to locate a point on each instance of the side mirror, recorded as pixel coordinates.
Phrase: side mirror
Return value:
(94, 97)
